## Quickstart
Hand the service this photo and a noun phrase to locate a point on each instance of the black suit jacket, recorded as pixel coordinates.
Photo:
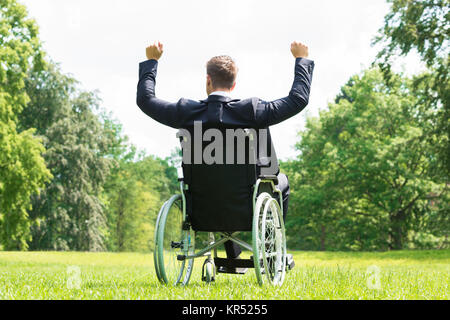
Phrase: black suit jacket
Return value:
(247, 113)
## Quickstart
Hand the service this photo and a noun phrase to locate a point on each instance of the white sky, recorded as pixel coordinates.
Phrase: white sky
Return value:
(101, 42)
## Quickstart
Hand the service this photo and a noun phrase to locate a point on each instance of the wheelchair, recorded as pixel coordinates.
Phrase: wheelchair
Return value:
(219, 207)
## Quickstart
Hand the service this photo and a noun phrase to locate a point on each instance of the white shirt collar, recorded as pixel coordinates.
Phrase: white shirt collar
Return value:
(221, 93)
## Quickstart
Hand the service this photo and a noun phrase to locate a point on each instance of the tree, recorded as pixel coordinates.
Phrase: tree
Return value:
(69, 213)
(365, 178)
(422, 26)
(22, 168)
(135, 192)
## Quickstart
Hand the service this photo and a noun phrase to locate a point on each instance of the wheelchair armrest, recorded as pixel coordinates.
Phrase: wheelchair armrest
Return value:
(271, 177)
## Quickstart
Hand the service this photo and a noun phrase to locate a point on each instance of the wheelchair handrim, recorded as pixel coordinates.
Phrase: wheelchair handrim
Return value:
(171, 270)
(256, 240)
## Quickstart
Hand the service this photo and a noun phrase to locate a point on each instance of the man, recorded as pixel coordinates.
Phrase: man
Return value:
(220, 81)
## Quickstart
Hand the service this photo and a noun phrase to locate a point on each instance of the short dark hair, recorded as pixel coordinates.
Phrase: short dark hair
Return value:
(222, 70)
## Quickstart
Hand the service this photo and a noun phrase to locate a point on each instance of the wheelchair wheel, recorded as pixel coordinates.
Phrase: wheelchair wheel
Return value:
(269, 241)
(170, 241)
(155, 252)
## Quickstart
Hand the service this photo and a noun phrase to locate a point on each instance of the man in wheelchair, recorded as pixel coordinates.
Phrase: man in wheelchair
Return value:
(231, 179)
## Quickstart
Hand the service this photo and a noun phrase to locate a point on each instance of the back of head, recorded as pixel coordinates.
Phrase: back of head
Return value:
(222, 70)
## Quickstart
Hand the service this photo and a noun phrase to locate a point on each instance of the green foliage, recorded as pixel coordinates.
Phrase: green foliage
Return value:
(69, 213)
(22, 168)
(103, 195)
(135, 191)
(366, 177)
(422, 26)
(416, 24)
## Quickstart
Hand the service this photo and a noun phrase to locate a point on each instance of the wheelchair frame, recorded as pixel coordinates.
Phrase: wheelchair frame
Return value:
(268, 258)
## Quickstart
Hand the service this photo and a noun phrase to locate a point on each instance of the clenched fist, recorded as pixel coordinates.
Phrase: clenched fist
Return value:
(154, 51)
(299, 50)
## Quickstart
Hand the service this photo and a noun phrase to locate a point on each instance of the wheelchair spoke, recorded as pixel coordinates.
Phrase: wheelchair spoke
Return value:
(269, 246)
(273, 243)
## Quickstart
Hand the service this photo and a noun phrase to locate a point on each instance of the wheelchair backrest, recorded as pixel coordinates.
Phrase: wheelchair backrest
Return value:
(220, 168)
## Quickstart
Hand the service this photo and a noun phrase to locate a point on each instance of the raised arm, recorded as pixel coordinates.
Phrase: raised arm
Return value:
(276, 111)
(160, 110)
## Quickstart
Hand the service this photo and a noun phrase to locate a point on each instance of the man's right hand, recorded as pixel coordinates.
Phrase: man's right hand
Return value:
(154, 51)
(299, 50)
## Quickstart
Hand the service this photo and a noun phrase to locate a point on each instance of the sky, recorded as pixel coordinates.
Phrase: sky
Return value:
(101, 42)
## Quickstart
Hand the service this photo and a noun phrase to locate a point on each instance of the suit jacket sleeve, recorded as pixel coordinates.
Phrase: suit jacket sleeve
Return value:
(158, 109)
(273, 112)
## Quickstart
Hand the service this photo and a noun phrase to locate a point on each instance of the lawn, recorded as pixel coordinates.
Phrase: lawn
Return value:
(317, 275)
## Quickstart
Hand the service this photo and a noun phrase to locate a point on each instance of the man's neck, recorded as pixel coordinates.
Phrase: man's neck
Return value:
(221, 93)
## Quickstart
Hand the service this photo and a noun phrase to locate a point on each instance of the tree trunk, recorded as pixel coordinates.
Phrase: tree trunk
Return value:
(397, 232)
(322, 237)
(119, 230)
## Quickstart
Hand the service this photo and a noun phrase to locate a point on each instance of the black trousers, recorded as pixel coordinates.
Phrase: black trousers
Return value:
(232, 249)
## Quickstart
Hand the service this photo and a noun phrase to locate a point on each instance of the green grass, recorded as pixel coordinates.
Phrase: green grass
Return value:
(317, 275)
